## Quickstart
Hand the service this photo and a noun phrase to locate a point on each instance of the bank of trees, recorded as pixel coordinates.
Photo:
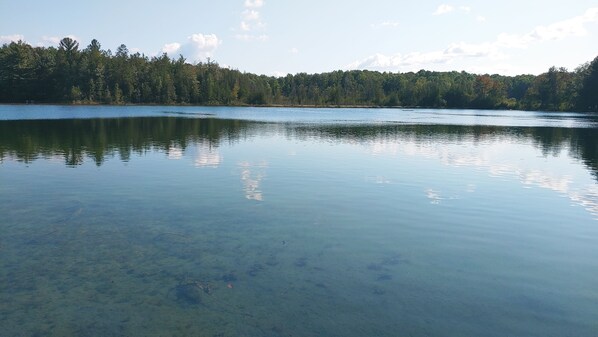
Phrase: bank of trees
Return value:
(92, 75)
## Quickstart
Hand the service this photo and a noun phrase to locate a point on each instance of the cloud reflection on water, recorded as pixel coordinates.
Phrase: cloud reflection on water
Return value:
(251, 177)
(207, 156)
(174, 152)
(501, 158)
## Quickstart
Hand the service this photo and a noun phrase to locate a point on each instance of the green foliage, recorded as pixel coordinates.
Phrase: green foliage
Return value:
(67, 74)
(76, 94)
(588, 92)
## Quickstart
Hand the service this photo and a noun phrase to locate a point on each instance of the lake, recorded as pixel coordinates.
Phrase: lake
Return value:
(192, 221)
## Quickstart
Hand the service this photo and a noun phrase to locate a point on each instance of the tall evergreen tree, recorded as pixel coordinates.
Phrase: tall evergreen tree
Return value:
(588, 93)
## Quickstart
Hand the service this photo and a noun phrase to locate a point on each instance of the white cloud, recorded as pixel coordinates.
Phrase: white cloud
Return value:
(381, 61)
(201, 46)
(566, 28)
(251, 21)
(51, 39)
(251, 15)
(171, 48)
(11, 38)
(245, 26)
(254, 3)
(556, 31)
(280, 73)
(48, 41)
(197, 47)
(443, 9)
(418, 59)
(385, 24)
(204, 42)
(560, 30)
(480, 18)
(463, 49)
(499, 68)
(294, 50)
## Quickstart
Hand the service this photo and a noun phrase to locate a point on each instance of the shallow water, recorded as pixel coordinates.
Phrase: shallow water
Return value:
(162, 221)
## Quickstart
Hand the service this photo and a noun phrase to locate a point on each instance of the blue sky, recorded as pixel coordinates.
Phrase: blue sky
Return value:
(276, 37)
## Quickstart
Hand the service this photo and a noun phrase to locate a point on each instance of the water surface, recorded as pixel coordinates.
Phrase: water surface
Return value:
(161, 221)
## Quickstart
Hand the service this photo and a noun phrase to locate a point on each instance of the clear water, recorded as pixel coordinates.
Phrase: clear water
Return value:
(186, 221)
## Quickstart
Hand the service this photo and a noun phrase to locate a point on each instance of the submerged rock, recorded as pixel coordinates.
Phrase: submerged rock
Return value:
(255, 269)
(192, 292)
(300, 262)
(230, 277)
(384, 277)
(188, 293)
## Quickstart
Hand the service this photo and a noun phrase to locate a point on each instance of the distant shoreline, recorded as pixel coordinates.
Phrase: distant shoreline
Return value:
(303, 106)
(93, 76)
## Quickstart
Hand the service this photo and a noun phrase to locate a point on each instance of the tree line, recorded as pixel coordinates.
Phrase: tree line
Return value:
(70, 74)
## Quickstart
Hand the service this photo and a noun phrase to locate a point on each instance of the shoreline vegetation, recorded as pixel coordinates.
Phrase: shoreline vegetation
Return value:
(237, 105)
(93, 76)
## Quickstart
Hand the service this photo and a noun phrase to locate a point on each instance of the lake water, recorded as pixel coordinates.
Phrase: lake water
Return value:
(187, 221)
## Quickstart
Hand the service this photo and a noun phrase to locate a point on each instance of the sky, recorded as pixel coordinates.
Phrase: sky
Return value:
(277, 37)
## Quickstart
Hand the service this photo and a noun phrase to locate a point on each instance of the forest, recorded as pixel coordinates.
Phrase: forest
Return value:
(70, 74)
